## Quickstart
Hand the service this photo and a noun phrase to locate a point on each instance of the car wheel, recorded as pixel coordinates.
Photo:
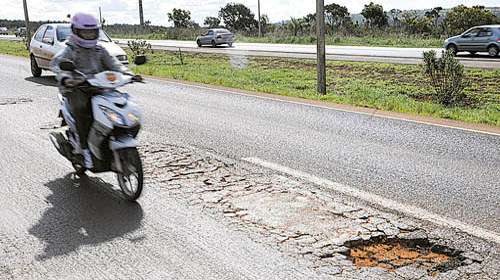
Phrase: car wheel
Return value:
(198, 42)
(493, 51)
(230, 45)
(35, 70)
(214, 44)
(452, 48)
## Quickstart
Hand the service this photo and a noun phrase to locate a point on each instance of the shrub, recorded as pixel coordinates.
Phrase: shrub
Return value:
(139, 47)
(447, 77)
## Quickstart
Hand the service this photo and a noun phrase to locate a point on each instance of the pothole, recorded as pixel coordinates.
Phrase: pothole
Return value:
(16, 100)
(391, 254)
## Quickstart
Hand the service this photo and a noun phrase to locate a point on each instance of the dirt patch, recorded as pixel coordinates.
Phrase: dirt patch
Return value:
(391, 254)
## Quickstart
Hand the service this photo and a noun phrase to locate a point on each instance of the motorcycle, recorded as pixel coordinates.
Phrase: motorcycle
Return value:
(112, 138)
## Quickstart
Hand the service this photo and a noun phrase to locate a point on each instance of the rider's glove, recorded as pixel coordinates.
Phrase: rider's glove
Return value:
(68, 82)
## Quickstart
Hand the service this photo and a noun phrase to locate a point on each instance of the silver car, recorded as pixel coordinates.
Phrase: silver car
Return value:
(50, 39)
(216, 37)
(484, 38)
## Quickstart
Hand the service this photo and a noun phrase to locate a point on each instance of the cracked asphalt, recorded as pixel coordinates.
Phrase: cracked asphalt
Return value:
(54, 227)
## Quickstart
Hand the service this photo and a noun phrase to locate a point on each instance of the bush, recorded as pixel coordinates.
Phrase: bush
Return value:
(447, 77)
(139, 47)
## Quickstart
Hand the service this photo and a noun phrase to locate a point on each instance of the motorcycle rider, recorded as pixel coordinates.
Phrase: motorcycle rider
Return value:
(89, 58)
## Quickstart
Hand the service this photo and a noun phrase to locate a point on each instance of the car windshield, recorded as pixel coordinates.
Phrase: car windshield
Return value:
(63, 32)
(222, 31)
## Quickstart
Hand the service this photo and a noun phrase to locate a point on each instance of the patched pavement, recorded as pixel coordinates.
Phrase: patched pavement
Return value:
(330, 232)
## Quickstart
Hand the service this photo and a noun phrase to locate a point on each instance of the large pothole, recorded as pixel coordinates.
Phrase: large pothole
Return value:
(395, 253)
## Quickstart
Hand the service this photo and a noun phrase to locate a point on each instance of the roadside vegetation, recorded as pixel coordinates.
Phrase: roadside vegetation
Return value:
(13, 48)
(398, 88)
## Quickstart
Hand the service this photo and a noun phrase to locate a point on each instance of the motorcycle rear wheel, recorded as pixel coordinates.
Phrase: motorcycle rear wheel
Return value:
(131, 181)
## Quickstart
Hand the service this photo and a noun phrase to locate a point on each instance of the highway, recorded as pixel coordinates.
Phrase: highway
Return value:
(51, 228)
(346, 53)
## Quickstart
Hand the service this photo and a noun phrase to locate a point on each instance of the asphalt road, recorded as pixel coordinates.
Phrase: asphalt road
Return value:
(347, 53)
(52, 227)
(451, 172)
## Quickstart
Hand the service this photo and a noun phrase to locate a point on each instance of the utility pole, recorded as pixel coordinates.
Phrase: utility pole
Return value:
(258, 12)
(321, 52)
(141, 13)
(100, 16)
(27, 20)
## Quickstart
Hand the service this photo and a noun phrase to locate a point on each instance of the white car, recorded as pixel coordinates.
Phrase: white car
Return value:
(4, 31)
(49, 39)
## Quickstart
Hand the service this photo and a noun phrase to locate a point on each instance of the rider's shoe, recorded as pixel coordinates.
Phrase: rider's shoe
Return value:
(87, 159)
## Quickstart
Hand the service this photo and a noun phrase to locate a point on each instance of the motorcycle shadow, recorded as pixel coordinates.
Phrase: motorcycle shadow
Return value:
(44, 80)
(82, 214)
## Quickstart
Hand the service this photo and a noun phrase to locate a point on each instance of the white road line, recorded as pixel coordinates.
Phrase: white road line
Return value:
(326, 107)
(410, 210)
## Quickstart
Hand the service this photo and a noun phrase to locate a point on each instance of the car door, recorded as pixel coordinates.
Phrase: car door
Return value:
(466, 42)
(209, 37)
(483, 39)
(47, 47)
(36, 44)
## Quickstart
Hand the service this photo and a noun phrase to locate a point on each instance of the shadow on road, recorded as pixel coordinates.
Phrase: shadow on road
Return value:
(45, 80)
(83, 214)
(478, 55)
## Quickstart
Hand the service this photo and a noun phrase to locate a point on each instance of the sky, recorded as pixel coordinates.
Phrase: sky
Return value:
(126, 11)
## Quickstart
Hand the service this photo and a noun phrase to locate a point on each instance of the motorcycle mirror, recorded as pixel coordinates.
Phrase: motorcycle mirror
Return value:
(67, 65)
(140, 60)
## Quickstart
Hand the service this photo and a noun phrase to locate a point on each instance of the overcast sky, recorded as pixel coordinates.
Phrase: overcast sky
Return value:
(125, 11)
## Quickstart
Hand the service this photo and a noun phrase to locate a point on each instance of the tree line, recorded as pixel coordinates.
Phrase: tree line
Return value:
(436, 21)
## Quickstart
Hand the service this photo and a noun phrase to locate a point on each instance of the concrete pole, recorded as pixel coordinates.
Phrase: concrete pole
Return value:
(258, 11)
(100, 16)
(321, 52)
(27, 20)
(141, 13)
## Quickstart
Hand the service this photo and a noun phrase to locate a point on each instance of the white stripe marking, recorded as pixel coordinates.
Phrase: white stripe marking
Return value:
(410, 210)
(325, 107)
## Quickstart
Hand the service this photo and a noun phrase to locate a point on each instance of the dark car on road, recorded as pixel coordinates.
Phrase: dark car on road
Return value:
(21, 32)
(484, 38)
(216, 37)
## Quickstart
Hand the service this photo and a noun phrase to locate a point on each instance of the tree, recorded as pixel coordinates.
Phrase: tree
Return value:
(395, 17)
(296, 25)
(416, 24)
(336, 15)
(181, 18)
(462, 18)
(238, 17)
(264, 23)
(374, 15)
(212, 22)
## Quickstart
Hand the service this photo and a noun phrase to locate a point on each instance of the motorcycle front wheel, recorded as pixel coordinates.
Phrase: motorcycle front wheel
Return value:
(131, 180)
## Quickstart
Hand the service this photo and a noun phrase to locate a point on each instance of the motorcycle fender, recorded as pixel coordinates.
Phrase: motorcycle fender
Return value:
(123, 143)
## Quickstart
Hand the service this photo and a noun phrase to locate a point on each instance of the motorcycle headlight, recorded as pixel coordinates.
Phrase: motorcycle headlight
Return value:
(112, 115)
(133, 118)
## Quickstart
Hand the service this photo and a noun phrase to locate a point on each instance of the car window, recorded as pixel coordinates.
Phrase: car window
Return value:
(211, 32)
(64, 31)
(48, 37)
(39, 33)
(223, 31)
(473, 32)
(485, 32)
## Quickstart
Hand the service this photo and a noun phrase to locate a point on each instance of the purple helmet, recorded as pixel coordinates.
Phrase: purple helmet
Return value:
(85, 30)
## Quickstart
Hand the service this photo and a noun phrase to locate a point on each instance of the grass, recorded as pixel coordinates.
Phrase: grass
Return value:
(13, 48)
(377, 40)
(389, 40)
(398, 88)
